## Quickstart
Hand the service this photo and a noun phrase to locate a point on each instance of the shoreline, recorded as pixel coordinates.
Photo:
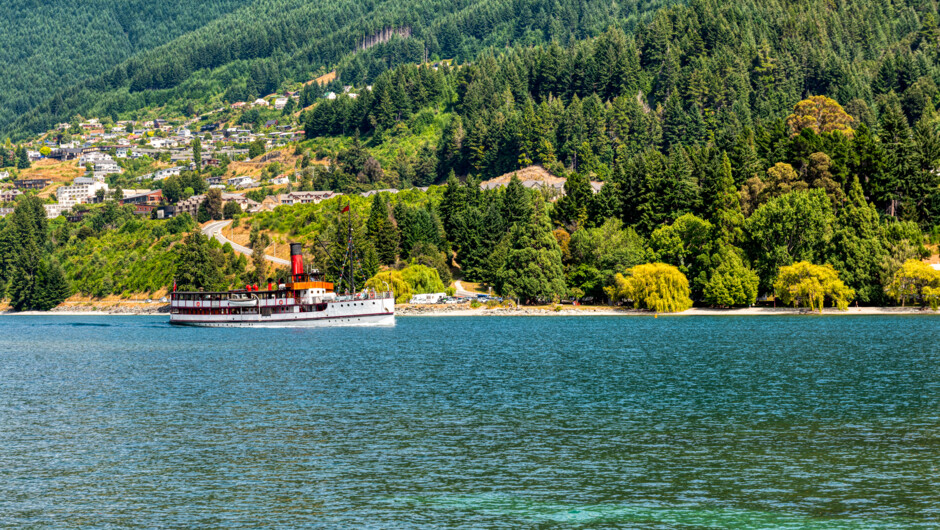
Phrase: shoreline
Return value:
(458, 311)
(465, 310)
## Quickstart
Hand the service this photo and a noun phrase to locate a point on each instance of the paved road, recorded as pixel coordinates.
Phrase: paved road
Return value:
(214, 229)
(462, 293)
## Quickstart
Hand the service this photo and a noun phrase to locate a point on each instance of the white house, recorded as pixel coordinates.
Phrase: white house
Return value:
(93, 158)
(241, 182)
(305, 197)
(279, 180)
(69, 196)
(107, 167)
(280, 103)
(167, 173)
(55, 210)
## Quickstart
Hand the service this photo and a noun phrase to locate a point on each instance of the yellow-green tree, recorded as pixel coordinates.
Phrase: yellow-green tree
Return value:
(422, 279)
(655, 286)
(393, 280)
(821, 114)
(916, 281)
(804, 284)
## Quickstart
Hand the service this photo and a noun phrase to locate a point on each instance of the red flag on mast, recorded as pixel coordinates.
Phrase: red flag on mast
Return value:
(345, 209)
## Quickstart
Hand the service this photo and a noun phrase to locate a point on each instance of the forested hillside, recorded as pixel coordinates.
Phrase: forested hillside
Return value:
(251, 51)
(50, 45)
(732, 139)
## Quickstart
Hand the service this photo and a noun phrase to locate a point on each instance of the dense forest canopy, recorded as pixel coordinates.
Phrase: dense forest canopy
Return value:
(54, 44)
(251, 51)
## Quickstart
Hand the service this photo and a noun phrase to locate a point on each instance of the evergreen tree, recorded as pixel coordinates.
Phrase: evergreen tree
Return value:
(517, 204)
(382, 232)
(197, 153)
(532, 269)
(571, 210)
(198, 265)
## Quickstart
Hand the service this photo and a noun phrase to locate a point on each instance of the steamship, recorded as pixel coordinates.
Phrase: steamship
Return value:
(305, 301)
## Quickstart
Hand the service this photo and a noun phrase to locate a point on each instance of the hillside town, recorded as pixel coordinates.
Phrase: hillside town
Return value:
(131, 161)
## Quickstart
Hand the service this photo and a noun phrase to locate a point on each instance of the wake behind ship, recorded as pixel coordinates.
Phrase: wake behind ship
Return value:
(306, 301)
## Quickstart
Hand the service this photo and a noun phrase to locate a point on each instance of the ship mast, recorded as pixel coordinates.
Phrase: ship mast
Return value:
(350, 253)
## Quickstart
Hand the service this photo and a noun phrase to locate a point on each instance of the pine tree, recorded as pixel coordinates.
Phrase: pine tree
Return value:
(196, 267)
(197, 153)
(382, 232)
(571, 210)
(532, 270)
(52, 286)
(517, 204)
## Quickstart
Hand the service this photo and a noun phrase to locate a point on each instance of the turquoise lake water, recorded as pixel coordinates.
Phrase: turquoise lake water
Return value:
(689, 422)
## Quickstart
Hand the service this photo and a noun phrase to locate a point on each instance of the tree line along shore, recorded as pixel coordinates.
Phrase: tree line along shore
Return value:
(706, 159)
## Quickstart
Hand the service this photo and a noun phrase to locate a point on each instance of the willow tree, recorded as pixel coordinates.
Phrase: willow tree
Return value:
(804, 284)
(422, 279)
(391, 281)
(655, 286)
(916, 281)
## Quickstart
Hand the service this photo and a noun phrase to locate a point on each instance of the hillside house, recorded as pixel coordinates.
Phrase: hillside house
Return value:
(305, 197)
(31, 184)
(78, 193)
(190, 205)
(9, 195)
(55, 210)
(241, 182)
(247, 205)
(164, 174)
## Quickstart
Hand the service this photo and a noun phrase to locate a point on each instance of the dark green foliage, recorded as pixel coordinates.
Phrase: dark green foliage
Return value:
(531, 269)
(44, 49)
(36, 282)
(382, 232)
(249, 52)
(198, 265)
(231, 209)
(794, 227)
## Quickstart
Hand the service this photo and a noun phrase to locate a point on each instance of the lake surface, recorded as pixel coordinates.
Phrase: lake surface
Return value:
(688, 422)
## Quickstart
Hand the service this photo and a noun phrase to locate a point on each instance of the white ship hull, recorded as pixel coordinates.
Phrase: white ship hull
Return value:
(271, 322)
(274, 312)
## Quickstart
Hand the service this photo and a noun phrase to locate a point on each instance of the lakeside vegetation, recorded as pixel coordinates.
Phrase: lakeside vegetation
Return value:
(750, 148)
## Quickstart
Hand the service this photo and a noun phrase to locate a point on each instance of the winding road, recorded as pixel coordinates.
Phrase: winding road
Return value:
(463, 293)
(214, 229)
